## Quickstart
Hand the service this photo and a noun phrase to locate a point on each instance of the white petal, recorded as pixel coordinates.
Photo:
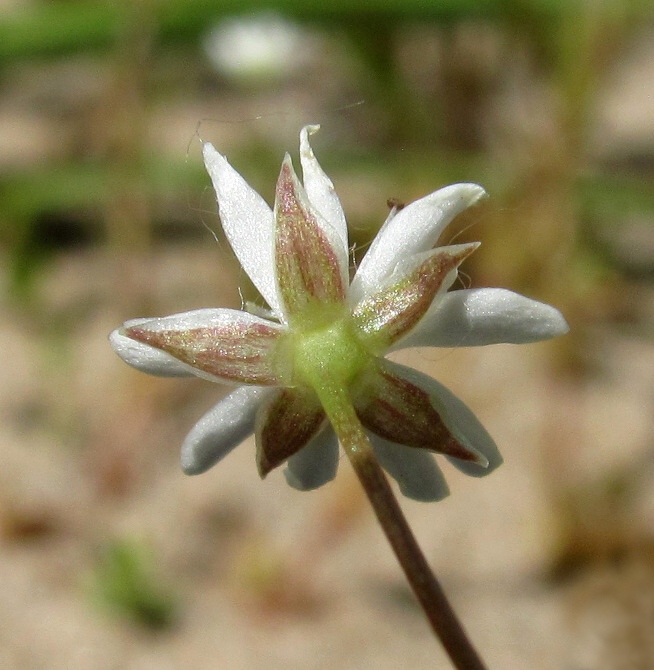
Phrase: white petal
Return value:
(321, 193)
(145, 358)
(414, 229)
(315, 464)
(476, 317)
(247, 221)
(415, 470)
(459, 419)
(221, 429)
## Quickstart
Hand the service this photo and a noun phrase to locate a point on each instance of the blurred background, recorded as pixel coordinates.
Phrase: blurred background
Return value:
(110, 557)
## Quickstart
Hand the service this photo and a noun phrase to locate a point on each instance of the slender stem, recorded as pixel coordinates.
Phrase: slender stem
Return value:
(426, 587)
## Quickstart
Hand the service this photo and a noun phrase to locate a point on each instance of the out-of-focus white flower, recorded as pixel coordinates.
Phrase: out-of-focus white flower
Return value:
(257, 47)
(327, 337)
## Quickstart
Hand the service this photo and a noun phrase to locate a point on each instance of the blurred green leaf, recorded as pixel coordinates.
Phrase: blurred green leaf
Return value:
(49, 29)
(77, 191)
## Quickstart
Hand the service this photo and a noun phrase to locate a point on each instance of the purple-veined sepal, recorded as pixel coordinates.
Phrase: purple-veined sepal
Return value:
(224, 345)
(399, 411)
(391, 312)
(308, 267)
(286, 422)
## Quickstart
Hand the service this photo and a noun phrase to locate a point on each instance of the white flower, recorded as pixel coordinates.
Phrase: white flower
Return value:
(325, 335)
(260, 47)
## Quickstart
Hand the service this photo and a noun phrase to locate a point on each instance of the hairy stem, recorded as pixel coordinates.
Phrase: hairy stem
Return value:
(426, 587)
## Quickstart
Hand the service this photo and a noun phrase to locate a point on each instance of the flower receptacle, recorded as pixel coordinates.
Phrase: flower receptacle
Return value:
(327, 352)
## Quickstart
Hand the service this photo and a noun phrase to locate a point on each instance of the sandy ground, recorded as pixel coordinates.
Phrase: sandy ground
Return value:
(265, 577)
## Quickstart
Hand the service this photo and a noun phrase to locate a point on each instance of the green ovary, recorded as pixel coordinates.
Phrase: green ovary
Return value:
(328, 356)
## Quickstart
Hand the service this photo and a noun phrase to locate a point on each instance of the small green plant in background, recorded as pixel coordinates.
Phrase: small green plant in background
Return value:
(125, 583)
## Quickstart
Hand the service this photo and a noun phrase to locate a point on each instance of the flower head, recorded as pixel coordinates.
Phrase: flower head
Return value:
(325, 337)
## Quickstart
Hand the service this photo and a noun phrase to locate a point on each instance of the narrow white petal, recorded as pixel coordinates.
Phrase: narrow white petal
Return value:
(315, 464)
(145, 358)
(459, 419)
(321, 193)
(476, 317)
(415, 470)
(221, 429)
(414, 229)
(247, 221)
